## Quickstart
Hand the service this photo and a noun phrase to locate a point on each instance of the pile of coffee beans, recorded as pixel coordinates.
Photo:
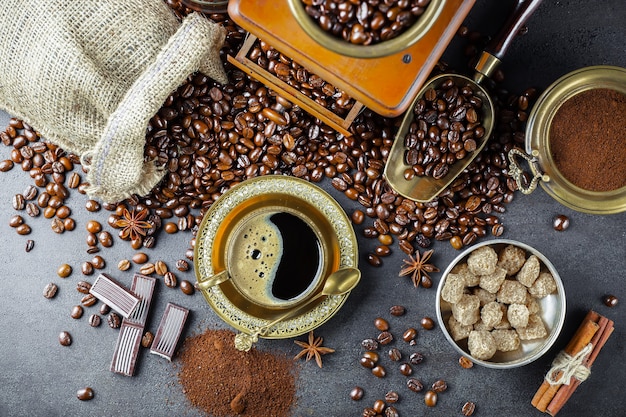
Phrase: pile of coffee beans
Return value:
(365, 22)
(311, 85)
(445, 129)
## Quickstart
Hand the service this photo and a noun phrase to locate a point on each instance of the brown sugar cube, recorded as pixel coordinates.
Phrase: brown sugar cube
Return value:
(535, 329)
(529, 271)
(511, 292)
(504, 323)
(471, 279)
(518, 315)
(467, 310)
(481, 325)
(481, 344)
(491, 314)
(482, 261)
(458, 330)
(543, 285)
(491, 282)
(532, 304)
(453, 288)
(484, 296)
(506, 340)
(511, 258)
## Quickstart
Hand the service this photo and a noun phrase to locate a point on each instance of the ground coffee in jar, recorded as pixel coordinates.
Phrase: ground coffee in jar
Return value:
(588, 139)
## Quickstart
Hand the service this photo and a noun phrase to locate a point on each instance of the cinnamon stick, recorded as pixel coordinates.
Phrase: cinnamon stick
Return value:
(566, 391)
(581, 338)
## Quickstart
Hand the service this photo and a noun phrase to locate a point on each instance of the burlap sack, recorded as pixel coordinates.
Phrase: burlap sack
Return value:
(89, 75)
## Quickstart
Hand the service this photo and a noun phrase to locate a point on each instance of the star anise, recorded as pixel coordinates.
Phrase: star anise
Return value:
(419, 268)
(132, 224)
(313, 348)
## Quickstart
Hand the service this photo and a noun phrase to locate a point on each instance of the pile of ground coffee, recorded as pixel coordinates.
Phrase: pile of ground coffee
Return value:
(222, 381)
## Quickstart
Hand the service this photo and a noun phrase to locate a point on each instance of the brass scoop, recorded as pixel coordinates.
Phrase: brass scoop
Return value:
(339, 282)
(426, 188)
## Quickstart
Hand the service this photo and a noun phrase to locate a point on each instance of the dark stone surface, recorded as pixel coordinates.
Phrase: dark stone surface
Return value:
(40, 377)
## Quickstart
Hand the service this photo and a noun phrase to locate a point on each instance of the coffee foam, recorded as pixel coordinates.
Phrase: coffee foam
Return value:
(253, 265)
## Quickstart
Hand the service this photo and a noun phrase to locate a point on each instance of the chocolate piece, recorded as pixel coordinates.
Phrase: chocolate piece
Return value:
(131, 331)
(169, 331)
(128, 342)
(114, 295)
(142, 287)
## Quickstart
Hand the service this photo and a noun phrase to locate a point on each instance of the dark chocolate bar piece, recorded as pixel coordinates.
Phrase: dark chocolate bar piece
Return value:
(169, 331)
(127, 348)
(142, 287)
(131, 331)
(114, 295)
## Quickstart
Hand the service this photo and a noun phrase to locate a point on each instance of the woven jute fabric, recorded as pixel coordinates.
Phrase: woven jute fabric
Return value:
(89, 75)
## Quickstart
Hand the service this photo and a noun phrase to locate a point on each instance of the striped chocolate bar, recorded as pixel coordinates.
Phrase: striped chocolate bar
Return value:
(131, 330)
(169, 331)
(114, 295)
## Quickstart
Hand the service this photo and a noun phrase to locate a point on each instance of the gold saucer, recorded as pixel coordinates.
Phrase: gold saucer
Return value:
(257, 194)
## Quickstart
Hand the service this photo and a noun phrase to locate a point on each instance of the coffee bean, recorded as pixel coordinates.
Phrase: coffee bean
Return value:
(381, 324)
(50, 290)
(430, 398)
(16, 220)
(378, 406)
(367, 362)
(182, 265)
(65, 339)
(391, 411)
(147, 339)
(85, 394)
(409, 334)
(6, 165)
(114, 320)
(87, 268)
(415, 385)
(358, 217)
(356, 393)
(83, 287)
(439, 386)
(105, 309)
(93, 226)
(560, 222)
(30, 244)
(397, 310)
(147, 268)
(465, 362)
(69, 224)
(170, 280)
(105, 239)
(468, 408)
(379, 371)
(140, 258)
(88, 300)
(395, 354)
(64, 271)
(160, 267)
(23, 229)
(405, 369)
(94, 320)
(19, 202)
(392, 397)
(384, 338)
(374, 260)
(416, 358)
(610, 300)
(76, 312)
(186, 287)
(369, 344)
(98, 262)
(427, 323)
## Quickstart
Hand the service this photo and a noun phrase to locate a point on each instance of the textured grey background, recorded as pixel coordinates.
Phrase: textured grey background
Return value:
(40, 378)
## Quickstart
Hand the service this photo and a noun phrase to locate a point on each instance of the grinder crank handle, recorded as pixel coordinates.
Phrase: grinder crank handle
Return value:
(497, 47)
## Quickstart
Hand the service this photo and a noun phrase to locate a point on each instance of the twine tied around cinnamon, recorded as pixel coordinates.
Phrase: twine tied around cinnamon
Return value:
(565, 366)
